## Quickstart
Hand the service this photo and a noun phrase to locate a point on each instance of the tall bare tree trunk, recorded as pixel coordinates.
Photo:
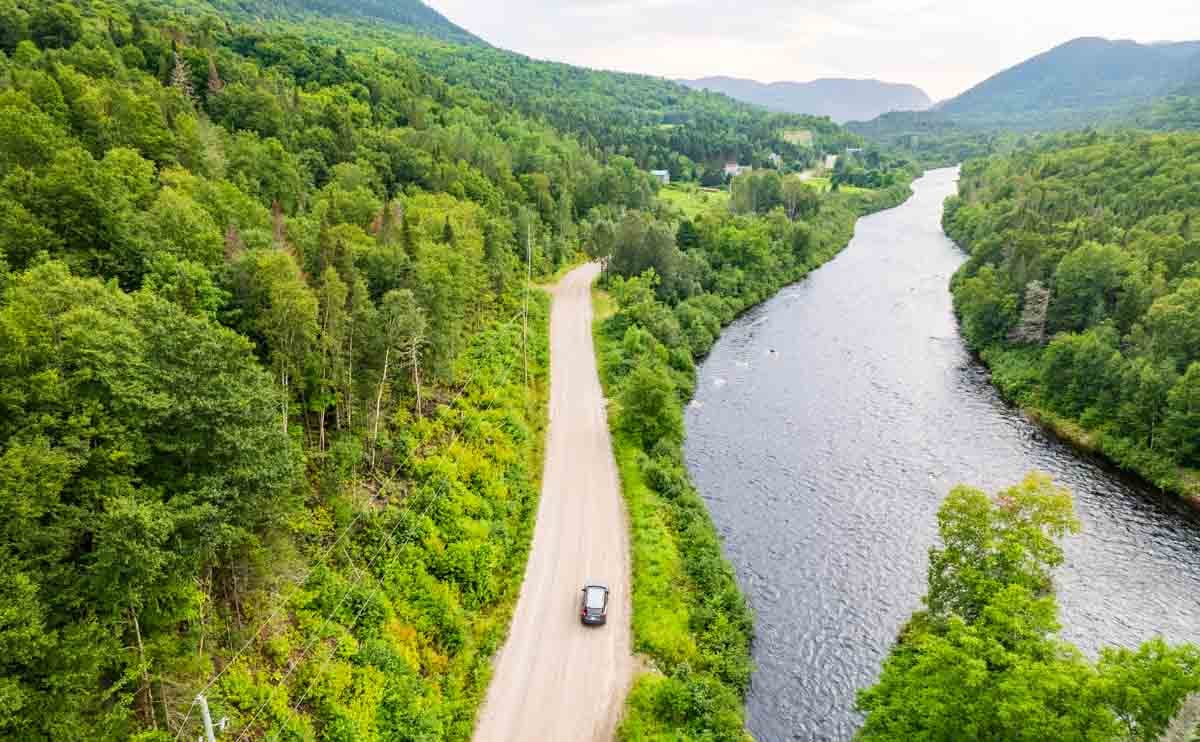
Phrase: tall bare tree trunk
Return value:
(416, 366)
(387, 355)
(286, 396)
(350, 384)
(137, 630)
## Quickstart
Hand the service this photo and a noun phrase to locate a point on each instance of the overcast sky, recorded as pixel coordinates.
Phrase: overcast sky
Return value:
(942, 46)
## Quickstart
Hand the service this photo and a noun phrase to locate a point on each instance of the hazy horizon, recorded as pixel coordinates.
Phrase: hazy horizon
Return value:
(940, 46)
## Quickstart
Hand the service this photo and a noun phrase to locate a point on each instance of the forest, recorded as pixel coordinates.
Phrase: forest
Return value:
(1082, 291)
(264, 431)
(657, 123)
(267, 431)
(273, 380)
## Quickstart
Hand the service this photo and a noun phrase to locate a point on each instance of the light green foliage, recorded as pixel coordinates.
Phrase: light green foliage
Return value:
(1018, 535)
(983, 661)
(689, 616)
(650, 411)
(693, 201)
(1105, 223)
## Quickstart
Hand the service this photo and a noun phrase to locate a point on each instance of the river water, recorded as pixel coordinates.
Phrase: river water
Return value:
(828, 425)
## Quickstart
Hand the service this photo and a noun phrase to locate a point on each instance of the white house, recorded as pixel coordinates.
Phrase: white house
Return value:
(664, 176)
(732, 169)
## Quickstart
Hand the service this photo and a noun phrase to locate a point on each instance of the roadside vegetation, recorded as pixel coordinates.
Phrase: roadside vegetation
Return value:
(983, 659)
(1082, 292)
(265, 430)
(671, 285)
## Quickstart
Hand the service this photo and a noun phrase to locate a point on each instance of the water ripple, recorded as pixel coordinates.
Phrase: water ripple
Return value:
(850, 411)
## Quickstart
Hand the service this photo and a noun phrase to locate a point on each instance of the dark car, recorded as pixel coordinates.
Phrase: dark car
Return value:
(593, 604)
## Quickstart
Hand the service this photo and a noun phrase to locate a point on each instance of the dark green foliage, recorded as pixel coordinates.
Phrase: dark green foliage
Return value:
(983, 662)
(412, 15)
(124, 470)
(1104, 223)
(658, 123)
(934, 139)
(55, 25)
(256, 304)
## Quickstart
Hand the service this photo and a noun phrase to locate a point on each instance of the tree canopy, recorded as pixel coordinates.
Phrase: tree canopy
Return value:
(983, 661)
(1083, 289)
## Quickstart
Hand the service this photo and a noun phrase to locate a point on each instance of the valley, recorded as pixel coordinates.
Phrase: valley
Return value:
(362, 379)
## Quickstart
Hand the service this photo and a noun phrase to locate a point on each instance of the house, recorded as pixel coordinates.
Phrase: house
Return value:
(732, 169)
(663, 176)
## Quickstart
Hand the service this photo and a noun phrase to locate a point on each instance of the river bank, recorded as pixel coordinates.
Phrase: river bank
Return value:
(1184, 483)
(827, 426)
(1086, 314)
(690, 622)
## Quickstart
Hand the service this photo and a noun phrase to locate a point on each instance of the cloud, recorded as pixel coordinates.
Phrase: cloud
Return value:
(943, 46)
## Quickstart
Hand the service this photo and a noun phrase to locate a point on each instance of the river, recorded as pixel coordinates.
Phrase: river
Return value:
(828, 425)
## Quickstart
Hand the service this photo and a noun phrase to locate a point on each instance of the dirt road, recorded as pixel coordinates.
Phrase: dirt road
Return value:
(555, 679)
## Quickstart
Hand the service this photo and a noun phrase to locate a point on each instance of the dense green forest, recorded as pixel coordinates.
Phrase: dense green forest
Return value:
(935, 139)
(983, 661)
(267, 431)
(411, 15)
(1082, 291)
(673, 283)
(658, 123)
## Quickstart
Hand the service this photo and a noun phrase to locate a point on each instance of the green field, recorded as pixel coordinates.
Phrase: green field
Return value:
(693, 201)
(823, 184)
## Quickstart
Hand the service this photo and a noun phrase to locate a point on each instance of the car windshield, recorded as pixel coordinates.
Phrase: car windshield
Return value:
(594, 598)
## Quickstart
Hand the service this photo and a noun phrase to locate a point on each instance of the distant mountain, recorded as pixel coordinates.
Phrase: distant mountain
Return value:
(838, 98)
(412, 14)
(1086, 81)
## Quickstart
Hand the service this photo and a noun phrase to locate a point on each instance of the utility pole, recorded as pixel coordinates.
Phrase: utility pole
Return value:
(209, 734)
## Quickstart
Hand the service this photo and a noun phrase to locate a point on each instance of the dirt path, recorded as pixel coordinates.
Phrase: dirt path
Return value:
(556, 679)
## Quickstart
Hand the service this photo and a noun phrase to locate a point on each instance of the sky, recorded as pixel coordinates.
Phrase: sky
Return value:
(942, 46)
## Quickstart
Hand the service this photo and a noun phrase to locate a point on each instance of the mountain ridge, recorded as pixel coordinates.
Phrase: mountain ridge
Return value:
(414, 15)
(1081, 78)
(839, 98)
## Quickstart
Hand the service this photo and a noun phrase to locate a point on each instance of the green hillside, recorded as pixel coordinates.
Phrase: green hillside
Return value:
(1083, 291)
(1081, 82)
(1087, 83)
(265, 431)
(411, 15)
(658, 123)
